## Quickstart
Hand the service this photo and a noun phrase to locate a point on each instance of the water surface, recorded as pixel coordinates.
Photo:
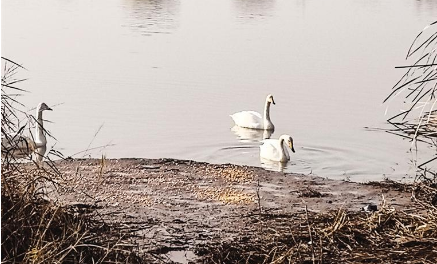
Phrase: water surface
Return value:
(163, 76)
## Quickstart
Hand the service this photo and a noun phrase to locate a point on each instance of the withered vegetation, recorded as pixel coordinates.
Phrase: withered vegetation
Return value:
(416, 90)
(339, 236)
(34, 229)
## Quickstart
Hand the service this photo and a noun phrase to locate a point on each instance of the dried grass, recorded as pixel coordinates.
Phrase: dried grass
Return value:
(339, 236)
(35, 230)
(226, 195)
(230, 173)
(417, 91)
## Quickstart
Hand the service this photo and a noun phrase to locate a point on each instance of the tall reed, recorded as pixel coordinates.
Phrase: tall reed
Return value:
(417, 92)
(36, 229)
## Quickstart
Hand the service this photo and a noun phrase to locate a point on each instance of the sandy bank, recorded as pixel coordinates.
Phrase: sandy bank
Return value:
(173, 208)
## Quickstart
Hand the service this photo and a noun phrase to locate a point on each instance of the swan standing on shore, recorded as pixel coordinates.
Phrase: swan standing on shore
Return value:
(254, 120)
(275, 149)
(20, 146)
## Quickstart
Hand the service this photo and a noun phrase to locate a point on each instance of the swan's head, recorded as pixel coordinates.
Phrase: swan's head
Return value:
(289, 140)
(270, 99)
(290, 143)
(42, 106)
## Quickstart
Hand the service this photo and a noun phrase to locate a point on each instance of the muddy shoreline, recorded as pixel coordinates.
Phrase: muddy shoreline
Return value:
(175, 210)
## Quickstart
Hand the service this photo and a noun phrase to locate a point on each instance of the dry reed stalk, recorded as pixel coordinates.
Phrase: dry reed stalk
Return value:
(34, 229)
(385, 236)
(418, 87)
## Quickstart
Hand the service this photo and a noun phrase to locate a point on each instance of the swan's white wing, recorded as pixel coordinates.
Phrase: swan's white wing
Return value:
(258, 115)
(270, 149)
(249, 119)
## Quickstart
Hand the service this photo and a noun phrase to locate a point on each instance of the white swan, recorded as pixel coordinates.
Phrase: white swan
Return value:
(274, 149)
(254, 120)
(20, 146)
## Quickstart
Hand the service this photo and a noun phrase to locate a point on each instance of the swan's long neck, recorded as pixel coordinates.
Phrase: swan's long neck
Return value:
(267, 122)
(283, 149)
(40, 139)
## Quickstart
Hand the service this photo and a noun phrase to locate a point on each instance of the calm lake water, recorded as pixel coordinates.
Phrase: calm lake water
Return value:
(162, 77)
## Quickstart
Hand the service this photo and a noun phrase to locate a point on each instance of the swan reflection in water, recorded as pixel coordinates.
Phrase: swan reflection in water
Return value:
(251, 135)
(273, 165)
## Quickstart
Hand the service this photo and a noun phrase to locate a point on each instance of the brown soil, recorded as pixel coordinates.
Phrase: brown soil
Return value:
(176, 210)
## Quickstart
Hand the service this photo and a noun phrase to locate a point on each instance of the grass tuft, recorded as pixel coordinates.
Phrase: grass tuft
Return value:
(35, 229)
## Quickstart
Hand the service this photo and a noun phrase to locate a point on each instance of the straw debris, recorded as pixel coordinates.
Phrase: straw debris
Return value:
(339, 236)
(226, 195)
(34, 229)
(230, 173)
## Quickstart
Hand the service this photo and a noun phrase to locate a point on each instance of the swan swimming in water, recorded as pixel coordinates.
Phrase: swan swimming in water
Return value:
(275, 149)
(20, 146)
(254, 120)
